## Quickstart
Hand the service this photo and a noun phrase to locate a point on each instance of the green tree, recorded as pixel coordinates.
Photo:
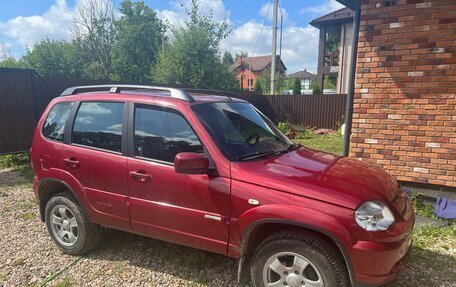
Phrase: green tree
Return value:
(227, 59)
(258, 87)
(264, 83)
(55, 58)
(94, 31)
(330, 82)
(243, 54)
(314, 86)
(12, 62)
(296, 86)
(139, 39)
(192, 55)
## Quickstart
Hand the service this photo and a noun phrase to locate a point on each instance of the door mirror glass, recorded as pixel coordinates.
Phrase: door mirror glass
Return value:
(191, 163)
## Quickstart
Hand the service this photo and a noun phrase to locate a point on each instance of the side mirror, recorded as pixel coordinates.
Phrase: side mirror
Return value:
(191, 163)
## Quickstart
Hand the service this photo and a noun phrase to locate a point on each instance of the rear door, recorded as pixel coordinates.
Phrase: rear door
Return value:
(93, 158)
(47, 141)
(188, 209)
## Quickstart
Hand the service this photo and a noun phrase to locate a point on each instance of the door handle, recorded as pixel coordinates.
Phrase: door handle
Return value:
(140, 176)
(71, 162)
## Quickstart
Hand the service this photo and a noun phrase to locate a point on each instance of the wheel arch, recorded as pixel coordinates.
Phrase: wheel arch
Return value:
(48, 188)
(257, 231)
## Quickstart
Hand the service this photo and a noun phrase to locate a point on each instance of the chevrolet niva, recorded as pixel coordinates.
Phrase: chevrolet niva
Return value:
(212, 172)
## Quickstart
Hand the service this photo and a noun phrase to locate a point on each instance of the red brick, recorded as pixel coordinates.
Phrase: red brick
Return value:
(407, 119)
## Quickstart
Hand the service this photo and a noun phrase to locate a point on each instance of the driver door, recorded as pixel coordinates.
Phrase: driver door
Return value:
(189, 209)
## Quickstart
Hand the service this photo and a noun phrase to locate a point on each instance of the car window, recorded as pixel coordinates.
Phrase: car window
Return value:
(99, 125)
(161, 133)
(54, 125)
(240, 130)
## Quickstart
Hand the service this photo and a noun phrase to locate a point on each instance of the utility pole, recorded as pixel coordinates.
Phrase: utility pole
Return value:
(281, 29)
(250, 77)
(274, 45)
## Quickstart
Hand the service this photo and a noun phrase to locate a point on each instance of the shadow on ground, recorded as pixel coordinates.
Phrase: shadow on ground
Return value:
(425, 267)
(120, 252)
(184, 262)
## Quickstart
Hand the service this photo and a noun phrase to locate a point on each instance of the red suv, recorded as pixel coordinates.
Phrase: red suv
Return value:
(212, 172)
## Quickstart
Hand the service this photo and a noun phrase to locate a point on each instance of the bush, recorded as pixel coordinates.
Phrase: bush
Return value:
(14, 160)
(307, 134)
(283, 127)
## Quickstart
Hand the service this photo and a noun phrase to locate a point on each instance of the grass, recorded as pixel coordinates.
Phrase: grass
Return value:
(436, 237)
(18, 262)
(14, 160)
(29, 203)
(27, 215)
(421, 208)
(332, 143)
(66, 282)
(19, 162)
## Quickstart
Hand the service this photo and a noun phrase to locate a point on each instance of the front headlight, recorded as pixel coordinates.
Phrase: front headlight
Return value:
(374, 216)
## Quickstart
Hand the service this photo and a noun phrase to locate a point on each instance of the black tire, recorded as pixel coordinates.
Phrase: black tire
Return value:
(88, 234)
(320, 253)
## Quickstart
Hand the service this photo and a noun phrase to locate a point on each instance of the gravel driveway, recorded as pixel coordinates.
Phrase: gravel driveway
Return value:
(28, 256)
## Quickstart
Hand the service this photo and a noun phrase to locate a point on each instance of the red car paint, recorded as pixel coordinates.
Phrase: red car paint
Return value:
(217, 211)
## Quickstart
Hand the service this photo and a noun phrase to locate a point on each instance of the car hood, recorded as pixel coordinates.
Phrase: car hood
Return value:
(323, 176)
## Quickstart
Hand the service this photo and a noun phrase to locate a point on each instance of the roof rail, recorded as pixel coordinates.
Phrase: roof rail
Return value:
(174, 92)
(212, 92)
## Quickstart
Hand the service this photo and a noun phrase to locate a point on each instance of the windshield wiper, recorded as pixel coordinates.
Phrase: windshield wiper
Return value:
(272, 152)
(257, 155)
(293, 146)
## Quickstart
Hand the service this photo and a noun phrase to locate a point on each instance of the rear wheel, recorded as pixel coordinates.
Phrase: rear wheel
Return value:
(296, 259)
(69, 226)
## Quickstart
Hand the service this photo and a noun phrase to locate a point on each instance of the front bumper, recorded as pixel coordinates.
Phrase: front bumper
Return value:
(376, 263)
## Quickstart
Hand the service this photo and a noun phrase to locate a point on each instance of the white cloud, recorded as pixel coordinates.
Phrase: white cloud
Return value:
(299, 45)
(267, 10)
(54, 24)
(299, 48)
(176, 16)
(325, 8)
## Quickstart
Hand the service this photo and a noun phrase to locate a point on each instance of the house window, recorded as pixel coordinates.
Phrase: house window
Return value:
(250, 83)
(305, 84)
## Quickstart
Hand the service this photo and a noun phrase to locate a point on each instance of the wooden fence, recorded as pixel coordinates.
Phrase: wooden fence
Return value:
(322, 111)
(24, 95)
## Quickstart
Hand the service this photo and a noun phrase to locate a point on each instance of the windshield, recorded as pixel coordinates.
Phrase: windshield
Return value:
(240, 131)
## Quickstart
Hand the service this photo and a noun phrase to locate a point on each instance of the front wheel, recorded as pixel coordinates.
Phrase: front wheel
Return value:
(297, 259)
(69, 226)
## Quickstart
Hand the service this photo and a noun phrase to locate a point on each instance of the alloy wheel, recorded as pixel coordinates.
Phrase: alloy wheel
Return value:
(64, 225)
(291, 269)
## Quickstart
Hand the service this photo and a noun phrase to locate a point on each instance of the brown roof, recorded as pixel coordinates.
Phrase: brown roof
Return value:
(300, 75)
(258, 63)
(340, 15)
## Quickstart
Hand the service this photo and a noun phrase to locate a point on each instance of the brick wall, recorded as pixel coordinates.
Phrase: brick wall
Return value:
(405, 98)
(253, 75)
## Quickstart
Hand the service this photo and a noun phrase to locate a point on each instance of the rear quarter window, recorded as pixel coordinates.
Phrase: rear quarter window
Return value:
(54, 124)
(99, 125)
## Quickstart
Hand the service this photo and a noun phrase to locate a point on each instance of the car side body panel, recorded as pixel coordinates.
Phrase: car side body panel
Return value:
(218, 211)
(284, 207)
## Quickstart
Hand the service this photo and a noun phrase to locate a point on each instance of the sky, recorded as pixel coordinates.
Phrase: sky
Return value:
(23, 22)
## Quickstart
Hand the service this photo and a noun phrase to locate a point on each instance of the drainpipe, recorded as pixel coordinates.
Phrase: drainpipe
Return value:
(351, 83)
(341, 59)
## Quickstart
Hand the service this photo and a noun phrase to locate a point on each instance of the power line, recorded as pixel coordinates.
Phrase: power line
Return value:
(262, 28)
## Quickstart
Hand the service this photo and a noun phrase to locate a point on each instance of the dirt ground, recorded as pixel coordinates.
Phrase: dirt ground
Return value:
(28, 256)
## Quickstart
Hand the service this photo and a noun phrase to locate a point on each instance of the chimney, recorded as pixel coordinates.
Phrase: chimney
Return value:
(238, 58)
